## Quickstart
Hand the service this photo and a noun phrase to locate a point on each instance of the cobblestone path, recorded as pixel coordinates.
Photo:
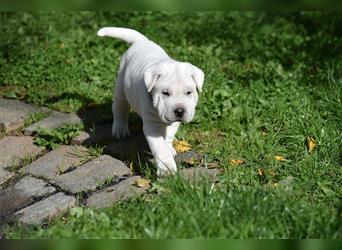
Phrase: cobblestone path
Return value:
(37, 184)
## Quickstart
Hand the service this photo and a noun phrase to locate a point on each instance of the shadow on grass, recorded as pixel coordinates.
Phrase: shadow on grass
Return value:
(97, 120)
(315, 37)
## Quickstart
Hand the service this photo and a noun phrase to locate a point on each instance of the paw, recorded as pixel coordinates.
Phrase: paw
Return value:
(165, 168)
(119, 131)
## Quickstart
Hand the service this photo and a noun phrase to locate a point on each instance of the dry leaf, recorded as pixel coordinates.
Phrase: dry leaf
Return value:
(190, 161)
(237, 161)
(212, 165)
(279, 158)
(143, 183)
(92, 105)
(311, 144)
(181, 146)
(61, 45)
(131, 166)
(209, 165)
(260, 172)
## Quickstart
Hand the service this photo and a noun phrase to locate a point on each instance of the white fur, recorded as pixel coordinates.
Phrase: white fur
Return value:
(155, 86)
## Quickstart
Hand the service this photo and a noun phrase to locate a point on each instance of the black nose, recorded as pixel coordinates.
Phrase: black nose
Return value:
(179, 112)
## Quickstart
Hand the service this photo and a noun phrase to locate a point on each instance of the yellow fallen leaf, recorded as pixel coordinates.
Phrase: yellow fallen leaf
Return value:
(190, 161)
(311, 144)
(260, 172)
(131, 166)
(143, 183)
(92, 105)
(237, 161)
(211, 165)
(181, 146)
(279, 158)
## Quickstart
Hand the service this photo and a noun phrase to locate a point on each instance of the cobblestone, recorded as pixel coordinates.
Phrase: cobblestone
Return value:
(54, 120)
(22, 194)
(14, 149)
(93, 174)
(119, 192)
(194, 173)
(129, 147)
(100, 135)
(5, 176)
(57, 161)
(46, 209)
(14, 112)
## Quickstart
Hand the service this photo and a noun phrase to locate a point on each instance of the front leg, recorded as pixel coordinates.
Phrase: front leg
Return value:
(155, 136)
(171, 131)
(120, 111)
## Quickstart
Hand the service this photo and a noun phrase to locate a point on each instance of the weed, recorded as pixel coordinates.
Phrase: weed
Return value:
(95, 151)
(35, 117)
(54, 137)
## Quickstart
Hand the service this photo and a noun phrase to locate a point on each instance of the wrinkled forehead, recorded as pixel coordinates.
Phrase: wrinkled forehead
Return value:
(176, 78)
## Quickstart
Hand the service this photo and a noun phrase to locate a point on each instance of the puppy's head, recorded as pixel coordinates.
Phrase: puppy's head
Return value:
(173, 86)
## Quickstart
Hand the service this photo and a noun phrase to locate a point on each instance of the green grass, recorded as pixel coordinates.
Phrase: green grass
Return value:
(51, 138)
(272, 80)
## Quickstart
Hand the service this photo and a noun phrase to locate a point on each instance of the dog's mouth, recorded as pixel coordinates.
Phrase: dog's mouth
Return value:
(169, 120)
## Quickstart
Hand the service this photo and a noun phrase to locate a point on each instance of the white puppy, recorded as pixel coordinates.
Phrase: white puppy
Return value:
(161, 90)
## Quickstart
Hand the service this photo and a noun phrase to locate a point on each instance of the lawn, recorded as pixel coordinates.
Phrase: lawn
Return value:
(273, 81)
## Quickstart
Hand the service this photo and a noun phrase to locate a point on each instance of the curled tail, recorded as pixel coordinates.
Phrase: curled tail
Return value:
(127, 35)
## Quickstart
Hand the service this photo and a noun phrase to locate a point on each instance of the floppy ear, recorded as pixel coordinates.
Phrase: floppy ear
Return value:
(198, 76)
(151, 76)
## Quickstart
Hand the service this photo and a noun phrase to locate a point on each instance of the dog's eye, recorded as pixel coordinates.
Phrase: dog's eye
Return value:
(166, 93)
(189, 93)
